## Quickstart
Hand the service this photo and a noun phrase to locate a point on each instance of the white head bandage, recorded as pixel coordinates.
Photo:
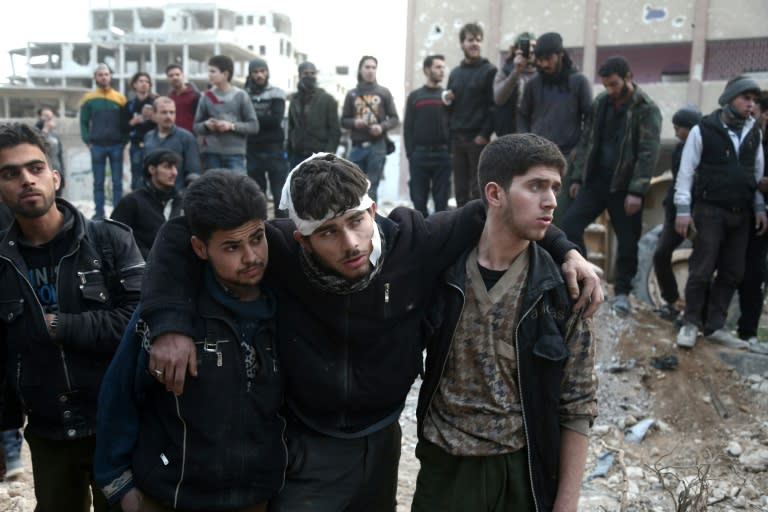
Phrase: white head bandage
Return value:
(308, 226)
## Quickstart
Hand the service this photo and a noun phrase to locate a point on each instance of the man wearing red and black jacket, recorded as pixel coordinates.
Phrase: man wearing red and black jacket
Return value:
(183, 95)
(425, 132)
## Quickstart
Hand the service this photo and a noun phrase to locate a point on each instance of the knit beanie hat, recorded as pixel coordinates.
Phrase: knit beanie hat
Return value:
(687, 117)
(548, 43)
(257, 63)
(736, 86)
(306, 66)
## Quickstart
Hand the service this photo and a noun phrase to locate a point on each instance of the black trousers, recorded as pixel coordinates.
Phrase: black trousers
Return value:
(669, 240)
(593, 198)
(465, 155)
(63, 473)
(269, 162)
(720, 245)
(329, 474)
(752, 288)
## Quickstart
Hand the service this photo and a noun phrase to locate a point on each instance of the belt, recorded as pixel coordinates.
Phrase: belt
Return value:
(365, 144)
(439, 147)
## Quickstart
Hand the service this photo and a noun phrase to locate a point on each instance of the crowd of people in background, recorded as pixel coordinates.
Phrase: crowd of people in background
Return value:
(268, 361)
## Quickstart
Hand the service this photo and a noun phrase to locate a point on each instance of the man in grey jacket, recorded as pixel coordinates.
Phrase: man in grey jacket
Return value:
(225, 116)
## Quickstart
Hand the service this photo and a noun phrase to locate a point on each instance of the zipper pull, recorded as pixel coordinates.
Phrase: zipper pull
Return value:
(219, 359)
(386, 293)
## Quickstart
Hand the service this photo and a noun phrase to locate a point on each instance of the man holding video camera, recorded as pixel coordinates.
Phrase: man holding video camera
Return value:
(555, 103)
(518, 69)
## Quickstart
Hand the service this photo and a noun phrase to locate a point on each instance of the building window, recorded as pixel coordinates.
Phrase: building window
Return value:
(238, 20)
(262, 50)
(282, 47)
(250, 20)
(262, 20)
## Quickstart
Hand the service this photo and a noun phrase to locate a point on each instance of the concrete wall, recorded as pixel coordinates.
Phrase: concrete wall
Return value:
(731, 19)
(623, 22)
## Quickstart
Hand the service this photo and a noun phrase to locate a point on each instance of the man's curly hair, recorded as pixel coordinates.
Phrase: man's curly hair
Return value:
(328, 183)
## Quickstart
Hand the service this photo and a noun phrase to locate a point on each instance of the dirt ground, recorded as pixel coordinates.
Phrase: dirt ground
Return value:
(688, 440)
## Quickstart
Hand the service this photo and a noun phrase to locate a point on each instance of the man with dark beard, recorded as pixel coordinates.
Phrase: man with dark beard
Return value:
(313, 119)
(612, 168)
(264, 155)
(556, 104)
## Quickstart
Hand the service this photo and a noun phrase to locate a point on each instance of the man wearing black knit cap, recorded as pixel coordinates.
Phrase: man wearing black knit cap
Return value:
(724, 154)
(556, 104)
(669, 239)
(265, 155)
(313, 118)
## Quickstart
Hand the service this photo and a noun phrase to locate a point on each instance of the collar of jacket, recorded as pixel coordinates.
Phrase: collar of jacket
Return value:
(10, 239)
(543, 273)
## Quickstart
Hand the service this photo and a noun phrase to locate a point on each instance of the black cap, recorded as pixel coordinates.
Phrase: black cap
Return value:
(158, 156)
(257, 63)
(548, 43)
(687, 117)
(306, 66)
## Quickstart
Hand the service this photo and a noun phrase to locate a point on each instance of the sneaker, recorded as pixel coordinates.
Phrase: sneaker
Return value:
(756, 346)
(686, 338)
(723, 337)
(621, 305)
(668, 312)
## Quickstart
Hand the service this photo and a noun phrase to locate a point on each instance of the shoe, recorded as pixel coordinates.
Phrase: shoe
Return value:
(13, 469)
(686, 338)
(621, 305)
(726, 339)
(668, 312)
(756, 346)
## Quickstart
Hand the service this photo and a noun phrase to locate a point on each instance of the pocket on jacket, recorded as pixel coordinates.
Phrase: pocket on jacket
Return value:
(11, 310)
(93, 287)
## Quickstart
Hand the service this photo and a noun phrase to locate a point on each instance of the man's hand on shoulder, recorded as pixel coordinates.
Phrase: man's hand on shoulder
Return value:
(580, 272)
(761, 223)
(132, 501)
(172, 354)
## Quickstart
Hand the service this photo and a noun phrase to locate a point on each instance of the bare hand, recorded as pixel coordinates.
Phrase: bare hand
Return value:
(681, 225)
(448, 96)
(132, 501)
(632, 204)
(761, 223)
(147, 111)
(172, 354)
(578, 271)
(48, 318)
(762, 185)
(573, 191)
(519, 62)
(480, 140)
(360, 123)
(375, 130)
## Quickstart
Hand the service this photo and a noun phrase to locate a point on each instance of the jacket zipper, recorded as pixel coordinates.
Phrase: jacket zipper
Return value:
(522, 400)
(346, 360)
(183, 453)
(627, 130)
(58, 287)
(450, 345)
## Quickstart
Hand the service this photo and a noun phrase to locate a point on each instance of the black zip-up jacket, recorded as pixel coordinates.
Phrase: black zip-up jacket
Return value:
(725, 177)
(232, 448)
(57, 380)
(269, 104)
(541, 352)
(144, 212)
(348, 360)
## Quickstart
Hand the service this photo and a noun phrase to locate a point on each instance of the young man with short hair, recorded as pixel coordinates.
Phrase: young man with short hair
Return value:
(184, 95)
(354, 288)
(67, 289)
(425, 133)
(510, 387)
(717, 191)
(469, 98)
(145, 210)
(225, 116)
(218, 447)
(139, 114)
(174, 138)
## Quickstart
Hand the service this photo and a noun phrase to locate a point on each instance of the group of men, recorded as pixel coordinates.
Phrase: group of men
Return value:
(222, 127)
(312, 329)
(611, 142)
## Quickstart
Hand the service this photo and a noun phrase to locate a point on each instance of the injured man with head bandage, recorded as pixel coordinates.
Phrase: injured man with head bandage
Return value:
(353, 315)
